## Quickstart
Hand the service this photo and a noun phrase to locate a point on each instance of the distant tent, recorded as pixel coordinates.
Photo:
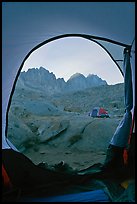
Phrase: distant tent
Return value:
(99, 112)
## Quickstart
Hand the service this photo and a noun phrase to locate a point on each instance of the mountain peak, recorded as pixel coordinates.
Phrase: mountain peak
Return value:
(42, 79)
(77, 75)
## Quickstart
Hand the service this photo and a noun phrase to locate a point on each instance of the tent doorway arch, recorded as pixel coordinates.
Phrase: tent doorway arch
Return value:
(102, 42)
(52, 41)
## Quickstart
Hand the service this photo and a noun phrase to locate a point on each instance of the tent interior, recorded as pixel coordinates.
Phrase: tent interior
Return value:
(27, 26)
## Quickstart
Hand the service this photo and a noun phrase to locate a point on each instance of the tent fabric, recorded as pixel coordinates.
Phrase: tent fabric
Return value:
(121, 135)
(33, 182)
(132, 59)
(128, 80)
(27, 26)
(98, 112)
(102, 111)
(114, 50)
(26, 175)
(91, 196)
(6, 180)
(94, 113)
(21, 33)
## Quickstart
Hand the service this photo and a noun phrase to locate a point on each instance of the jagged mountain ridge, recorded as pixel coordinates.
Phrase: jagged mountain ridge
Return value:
(42, 79)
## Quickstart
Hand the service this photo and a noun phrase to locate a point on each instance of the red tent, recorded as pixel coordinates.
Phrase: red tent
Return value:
(102, 111)
(99, 112)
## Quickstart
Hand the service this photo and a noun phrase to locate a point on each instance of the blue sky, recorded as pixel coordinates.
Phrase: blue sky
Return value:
(67, 56)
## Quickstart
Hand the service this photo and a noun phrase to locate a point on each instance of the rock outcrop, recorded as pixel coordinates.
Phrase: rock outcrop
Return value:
(42, 80)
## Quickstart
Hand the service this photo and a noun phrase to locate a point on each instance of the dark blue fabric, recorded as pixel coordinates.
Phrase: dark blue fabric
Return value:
(121, 135)
(90, 196)
(128, 80)
(94, 113)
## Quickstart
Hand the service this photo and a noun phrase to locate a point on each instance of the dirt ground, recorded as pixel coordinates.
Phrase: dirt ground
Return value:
(74, 158)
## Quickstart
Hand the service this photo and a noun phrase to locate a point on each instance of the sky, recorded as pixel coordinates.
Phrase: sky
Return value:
(67, 56)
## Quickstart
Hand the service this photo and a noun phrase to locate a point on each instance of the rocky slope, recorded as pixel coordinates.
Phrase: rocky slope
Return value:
(53, 127)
